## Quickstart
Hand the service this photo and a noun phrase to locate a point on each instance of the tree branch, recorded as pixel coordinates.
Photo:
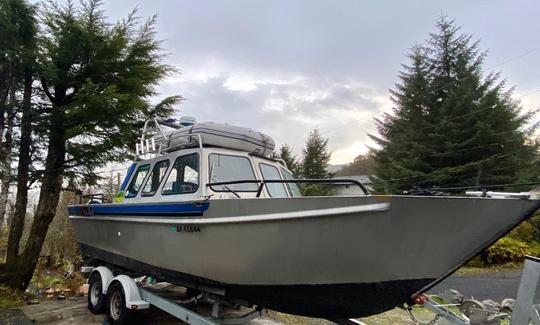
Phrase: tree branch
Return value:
(47, 92)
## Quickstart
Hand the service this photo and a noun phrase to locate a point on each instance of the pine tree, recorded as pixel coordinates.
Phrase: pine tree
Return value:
(450, 125)
(285, 153)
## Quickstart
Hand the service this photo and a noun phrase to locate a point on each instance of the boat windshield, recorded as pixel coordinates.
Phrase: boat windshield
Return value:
(293, 188)
(227, 168)
(184, 176)
(271, 172)
(137, 181)
(156, 176)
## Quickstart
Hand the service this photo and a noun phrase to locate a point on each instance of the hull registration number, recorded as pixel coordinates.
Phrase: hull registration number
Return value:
(186, 228)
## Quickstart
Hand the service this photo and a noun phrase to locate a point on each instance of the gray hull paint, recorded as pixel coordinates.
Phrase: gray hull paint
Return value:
(399, 239)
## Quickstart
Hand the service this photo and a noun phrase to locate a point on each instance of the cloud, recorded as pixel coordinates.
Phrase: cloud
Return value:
(286, 109)
(286, 67)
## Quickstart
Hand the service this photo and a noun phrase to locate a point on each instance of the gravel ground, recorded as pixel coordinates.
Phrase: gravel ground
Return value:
(14, 317)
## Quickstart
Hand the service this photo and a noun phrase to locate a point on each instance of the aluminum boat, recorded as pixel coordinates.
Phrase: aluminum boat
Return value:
(217, 218)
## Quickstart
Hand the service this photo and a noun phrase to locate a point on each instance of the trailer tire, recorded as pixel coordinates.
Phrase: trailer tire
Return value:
(117, 313)
(96, 299)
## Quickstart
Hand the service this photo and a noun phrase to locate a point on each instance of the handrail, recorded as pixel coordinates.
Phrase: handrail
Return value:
(187, 135)
(262, 182)
(92, 197)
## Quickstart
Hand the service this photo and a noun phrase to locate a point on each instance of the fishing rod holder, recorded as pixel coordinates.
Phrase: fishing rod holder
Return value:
(149, 144)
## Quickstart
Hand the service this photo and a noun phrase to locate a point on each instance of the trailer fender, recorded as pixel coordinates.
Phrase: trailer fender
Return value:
(106, 277)
(131, 293)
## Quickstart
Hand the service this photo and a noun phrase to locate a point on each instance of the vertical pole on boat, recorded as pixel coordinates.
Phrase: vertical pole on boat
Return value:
(524, 310)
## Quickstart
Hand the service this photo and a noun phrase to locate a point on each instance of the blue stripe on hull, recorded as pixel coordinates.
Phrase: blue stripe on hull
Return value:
(140, 209)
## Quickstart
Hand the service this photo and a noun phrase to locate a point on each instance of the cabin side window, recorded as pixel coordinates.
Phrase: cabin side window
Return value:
(227, 168)
(184, 176)
(156, 176)
(271, 172)
(137, 180)
(293, 188)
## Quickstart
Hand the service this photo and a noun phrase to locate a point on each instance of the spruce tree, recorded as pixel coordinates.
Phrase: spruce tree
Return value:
(450, 125)
(285, 153)
(315, 163)
(316, 156)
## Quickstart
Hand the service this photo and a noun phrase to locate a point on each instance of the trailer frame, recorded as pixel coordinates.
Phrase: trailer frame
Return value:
(138, 296)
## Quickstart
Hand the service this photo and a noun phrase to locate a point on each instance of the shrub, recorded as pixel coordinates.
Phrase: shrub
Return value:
(526, 232)
(10, 298)
(506, 250)
(534, 249)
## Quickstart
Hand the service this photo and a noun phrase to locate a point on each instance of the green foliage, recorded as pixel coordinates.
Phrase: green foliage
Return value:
(317, 190)
(505, 250)
(526, 232)
(535, 222)
(534, 248)
(316, 156)
(96, 81)
(10, 298)
(451, 125)
(18, 28)
(361, 165)
(315, 164)
(285, 153)
(98, 78)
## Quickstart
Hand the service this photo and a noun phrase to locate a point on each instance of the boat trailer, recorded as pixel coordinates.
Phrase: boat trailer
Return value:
(126, 295)
(141, 293)
(521, 311)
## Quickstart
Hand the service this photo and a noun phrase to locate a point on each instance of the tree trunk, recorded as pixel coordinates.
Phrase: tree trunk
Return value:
(6, 161)
(6, 84)
(6, 175)
(21, 202)
(19, 272)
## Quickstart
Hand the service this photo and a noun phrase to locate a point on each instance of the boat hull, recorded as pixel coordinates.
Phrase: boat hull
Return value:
(335, 257)
(330, 301)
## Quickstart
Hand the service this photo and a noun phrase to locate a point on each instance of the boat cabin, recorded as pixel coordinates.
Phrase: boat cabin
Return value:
(184, 175)
(208, 161)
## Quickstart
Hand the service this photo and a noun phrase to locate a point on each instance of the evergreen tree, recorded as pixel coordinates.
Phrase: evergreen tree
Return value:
(316, 156)
(18, 46)
(450, 125)
(315, 163)
(361, 165)
(96, 80)
(285, 153)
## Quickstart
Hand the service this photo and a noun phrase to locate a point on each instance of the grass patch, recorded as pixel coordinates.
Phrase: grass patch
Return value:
(10, 298)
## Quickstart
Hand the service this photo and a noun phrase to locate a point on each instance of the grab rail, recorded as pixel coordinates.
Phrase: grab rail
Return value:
(262, 182)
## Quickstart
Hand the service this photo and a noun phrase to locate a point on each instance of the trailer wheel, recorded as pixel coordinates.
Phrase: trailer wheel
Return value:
(96, 298)
(117, 313)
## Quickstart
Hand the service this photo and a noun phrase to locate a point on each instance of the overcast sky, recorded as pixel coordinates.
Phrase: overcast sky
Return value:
(286, 67)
